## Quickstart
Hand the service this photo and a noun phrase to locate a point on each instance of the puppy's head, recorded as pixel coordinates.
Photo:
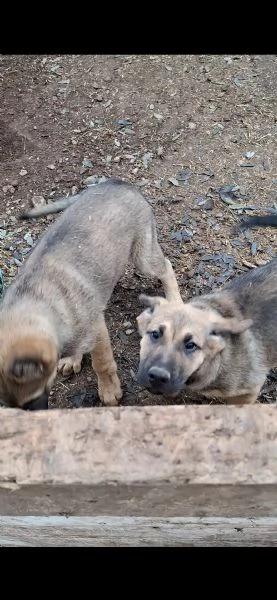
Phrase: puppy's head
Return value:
(182, 344)
(28, 367)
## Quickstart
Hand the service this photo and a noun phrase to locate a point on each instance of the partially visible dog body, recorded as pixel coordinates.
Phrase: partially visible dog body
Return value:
(221, 345)
(54, 310)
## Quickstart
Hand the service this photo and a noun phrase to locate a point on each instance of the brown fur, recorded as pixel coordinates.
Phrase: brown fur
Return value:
(55, 308)
(235, 332)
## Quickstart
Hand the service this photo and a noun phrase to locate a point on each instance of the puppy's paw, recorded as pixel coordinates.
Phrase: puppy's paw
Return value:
(70, 364)
(109, 389)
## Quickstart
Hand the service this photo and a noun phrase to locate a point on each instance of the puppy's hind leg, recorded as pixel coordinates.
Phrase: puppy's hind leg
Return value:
(150, 261)
(104, 365)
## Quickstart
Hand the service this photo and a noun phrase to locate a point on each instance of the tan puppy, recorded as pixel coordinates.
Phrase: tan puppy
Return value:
(54, 309)
(221, 345)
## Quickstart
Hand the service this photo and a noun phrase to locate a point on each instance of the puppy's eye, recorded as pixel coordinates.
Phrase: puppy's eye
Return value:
(190, 346)
(155, 335)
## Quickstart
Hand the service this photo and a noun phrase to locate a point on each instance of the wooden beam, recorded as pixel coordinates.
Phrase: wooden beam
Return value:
(137, 531)
(131, 445)
(164, 500)
(139, 476)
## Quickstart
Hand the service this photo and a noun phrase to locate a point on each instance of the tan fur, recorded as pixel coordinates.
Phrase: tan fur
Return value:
(54, 309)
(234, 330)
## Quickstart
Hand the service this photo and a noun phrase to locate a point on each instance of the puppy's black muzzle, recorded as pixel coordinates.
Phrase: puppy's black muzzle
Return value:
(40, 403)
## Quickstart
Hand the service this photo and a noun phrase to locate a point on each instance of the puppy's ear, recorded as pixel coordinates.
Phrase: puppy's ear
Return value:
(30, 359)
(149, 303)
(217, 336)
(233, 326)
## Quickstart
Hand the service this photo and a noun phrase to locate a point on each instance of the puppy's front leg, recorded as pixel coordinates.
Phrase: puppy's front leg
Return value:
(104, 365)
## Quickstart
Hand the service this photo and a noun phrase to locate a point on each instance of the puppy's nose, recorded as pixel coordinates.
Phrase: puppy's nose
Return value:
(158, 376)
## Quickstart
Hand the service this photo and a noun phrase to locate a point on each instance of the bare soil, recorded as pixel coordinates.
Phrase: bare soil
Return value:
(179, 127)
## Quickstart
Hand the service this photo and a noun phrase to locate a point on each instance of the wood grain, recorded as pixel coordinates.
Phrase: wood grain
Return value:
(131, 445)
(136, 531)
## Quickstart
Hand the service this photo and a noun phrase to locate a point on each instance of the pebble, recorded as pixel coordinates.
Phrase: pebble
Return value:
(38, 201)
(127, 324)
(8, 188)
(23, 172)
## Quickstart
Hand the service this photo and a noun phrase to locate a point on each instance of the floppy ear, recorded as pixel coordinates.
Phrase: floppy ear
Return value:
(233, 326)
(216, 339)
(149, 303)
(31, 359)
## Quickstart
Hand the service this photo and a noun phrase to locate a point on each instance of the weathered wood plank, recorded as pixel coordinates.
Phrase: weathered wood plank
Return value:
(128, 445)
(145, 500)
(136, 531)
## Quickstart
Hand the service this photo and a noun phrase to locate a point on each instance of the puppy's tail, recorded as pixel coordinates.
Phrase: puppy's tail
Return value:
(49, 209)
(262, 221)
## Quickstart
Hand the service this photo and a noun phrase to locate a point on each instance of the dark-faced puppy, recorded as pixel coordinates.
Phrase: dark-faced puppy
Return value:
(184, 345)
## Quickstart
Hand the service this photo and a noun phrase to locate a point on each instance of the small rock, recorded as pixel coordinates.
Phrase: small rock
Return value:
(129, 131)
(14, 183)
(192, 125)
(51, 167)
(160, 151)
(86, 163)
(159, 117)
(147, 159)
(17, 262)
(173, 180)
(266, 164)
(123, 123)
(23, 172)
(127, 324)
(206, 203)
(99, 98)
(249, 154)
(38, 201)
(129, 331)
(183, 175)
(28, 238)
(74, 190)
(94, 179)
(78, 399)
(8, 188)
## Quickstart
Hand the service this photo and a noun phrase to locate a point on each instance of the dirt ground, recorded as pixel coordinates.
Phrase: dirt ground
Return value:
(182, 128)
